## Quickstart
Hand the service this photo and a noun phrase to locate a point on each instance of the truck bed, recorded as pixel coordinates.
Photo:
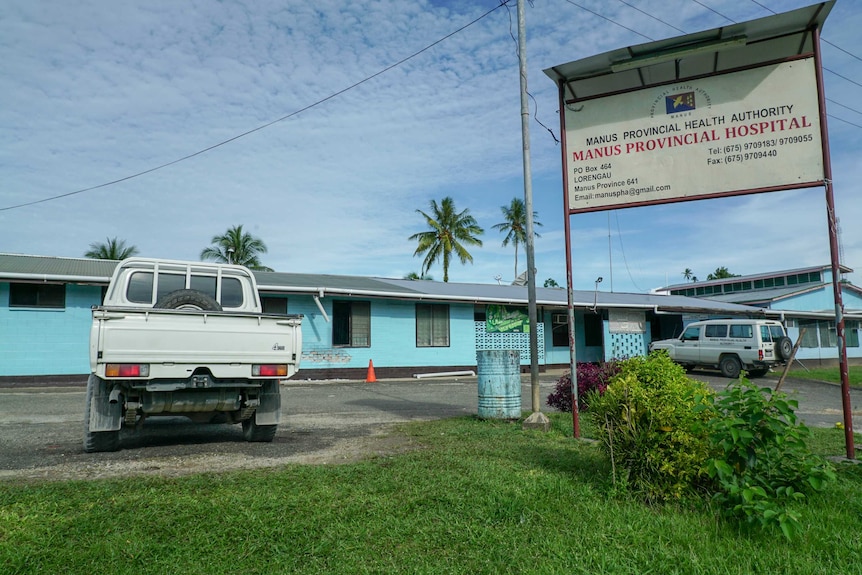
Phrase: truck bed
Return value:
(175, 342)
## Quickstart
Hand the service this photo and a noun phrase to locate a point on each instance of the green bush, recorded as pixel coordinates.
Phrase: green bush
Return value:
(762, 462)
(651, 430)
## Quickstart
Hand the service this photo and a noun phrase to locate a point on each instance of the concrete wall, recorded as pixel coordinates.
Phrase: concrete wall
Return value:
(42, 341)
(393, 337)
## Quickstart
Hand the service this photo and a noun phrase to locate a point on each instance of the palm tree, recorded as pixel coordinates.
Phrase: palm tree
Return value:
(687, 274)
(112, 249)
(721, 273)
(236, 247)
(415, 276)
(449, 232)
(515, 226)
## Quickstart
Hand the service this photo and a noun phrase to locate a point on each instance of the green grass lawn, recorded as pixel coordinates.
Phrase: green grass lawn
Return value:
(471, 497)
(828, 374)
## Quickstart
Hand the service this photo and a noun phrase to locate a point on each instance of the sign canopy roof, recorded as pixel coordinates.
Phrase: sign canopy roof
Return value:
(747, 44)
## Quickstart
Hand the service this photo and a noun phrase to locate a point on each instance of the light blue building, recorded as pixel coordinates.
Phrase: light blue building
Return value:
(802, 298)
(405, 327)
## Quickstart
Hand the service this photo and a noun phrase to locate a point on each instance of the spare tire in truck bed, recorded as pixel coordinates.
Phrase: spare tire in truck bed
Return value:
(188, 299)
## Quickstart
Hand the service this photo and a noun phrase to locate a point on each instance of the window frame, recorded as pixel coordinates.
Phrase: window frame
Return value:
(851, 333)
(350, 321)
(140, 282)
(433, 320)
(594, 330)
(716, 330)
(41, 292)
(266, 301)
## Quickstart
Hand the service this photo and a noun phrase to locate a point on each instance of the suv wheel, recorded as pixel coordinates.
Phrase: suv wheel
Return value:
(783, 348)
(730, 366)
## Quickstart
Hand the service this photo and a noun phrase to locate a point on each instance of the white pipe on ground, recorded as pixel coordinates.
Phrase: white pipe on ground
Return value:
(444, 374)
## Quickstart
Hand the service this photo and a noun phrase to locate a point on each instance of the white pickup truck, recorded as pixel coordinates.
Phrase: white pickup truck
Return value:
(186, 339)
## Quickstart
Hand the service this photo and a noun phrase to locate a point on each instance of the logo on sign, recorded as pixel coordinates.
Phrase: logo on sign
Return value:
(675, 103)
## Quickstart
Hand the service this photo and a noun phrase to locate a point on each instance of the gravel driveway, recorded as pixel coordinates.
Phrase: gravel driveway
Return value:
(41, 428)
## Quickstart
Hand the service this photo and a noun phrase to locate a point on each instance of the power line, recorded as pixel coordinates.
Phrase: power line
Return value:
(731, 20)
(535, 103)
(825, 41)
(263, 126)
(843, 120)
(625, 261)
(843, 106)
(653, 17)
(822, 40)
(608, 19)
(713, 10)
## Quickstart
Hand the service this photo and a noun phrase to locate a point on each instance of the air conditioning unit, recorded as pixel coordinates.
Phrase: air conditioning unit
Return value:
(560, 319)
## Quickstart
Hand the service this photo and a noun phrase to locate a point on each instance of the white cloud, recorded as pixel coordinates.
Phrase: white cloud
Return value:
(95, 91)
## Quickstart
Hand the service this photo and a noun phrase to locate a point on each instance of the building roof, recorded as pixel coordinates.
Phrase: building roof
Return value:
(16, 267)
(51, 269)
(766, 296)
(752, 277)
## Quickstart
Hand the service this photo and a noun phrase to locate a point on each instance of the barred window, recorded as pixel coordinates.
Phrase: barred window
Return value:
(274, 304)
(37, 295)
(828, 334)
(809, 339)
(351, 324)
(717, 330)
(851, 332)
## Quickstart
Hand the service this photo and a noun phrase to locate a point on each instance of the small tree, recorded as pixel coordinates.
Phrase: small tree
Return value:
(721, 273)
(238, 247)
(650, 420)
(450, 231)
(415, 276)
(112, 249)
(515, 225)
(591, 377)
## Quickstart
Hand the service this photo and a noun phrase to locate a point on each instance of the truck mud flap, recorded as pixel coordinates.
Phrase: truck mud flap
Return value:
(269, 410)
(104, 415)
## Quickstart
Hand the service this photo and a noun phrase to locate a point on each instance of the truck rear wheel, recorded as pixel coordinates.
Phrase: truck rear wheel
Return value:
(268, 410)
(98, 440)
(251, 431)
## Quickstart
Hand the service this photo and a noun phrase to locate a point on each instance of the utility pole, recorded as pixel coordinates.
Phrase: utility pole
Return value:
(537, 419)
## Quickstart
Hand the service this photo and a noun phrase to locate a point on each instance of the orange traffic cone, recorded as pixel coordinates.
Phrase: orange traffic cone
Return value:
(370, 377)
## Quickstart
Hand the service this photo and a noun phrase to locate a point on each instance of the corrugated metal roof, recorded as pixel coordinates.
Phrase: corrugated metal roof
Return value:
(694, 55)
(34, 268)
(765, 295)
(14, 267)
(275, 281)
(753, 277)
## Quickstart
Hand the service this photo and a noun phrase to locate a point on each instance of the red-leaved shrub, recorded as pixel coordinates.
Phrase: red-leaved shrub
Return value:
(590, 376)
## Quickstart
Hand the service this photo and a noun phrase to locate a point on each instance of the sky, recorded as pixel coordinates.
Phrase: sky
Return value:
(335, 136)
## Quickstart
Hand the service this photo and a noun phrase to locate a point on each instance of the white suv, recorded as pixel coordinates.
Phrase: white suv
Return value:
(730, 345)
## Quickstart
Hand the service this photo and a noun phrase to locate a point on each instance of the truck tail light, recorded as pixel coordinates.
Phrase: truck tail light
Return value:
(760, 354)
(127, 370)
(269, 370)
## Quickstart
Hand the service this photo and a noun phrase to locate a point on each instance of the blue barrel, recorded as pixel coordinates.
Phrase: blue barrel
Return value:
(499, 372)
